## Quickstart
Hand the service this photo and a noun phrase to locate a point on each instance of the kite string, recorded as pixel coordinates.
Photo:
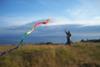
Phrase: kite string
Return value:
(22, 40)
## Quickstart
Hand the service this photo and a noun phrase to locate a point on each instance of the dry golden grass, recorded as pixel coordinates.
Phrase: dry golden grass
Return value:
(78, 55)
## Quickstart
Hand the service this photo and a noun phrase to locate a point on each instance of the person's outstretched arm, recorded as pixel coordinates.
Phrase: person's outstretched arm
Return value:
(66, 32)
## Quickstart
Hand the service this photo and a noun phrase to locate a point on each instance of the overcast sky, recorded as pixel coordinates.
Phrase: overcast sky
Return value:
(18, 12)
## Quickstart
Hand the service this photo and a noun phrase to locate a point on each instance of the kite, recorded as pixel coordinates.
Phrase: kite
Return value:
(35, 25)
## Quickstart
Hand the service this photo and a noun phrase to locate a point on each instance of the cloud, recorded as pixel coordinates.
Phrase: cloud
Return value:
(63, 21)
(86, 12)
(19, 20)
(87, 9)
(15, 20)
(97, 17)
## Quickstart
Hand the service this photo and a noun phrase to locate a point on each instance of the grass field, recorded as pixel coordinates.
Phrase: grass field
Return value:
(78, 55)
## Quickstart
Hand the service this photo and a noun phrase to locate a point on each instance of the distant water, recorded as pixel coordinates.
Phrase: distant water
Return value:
(53, 34)
(15, 38)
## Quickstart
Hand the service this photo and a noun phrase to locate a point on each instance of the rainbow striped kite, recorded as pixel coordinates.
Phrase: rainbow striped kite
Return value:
(35, 25)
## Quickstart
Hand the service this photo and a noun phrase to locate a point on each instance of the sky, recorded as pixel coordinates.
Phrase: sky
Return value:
(19, 12)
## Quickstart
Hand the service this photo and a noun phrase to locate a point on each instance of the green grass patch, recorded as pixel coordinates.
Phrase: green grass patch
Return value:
(78, 55)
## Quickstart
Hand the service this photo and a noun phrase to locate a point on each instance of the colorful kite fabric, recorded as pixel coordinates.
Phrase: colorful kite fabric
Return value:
(37, 24)
(26, 34)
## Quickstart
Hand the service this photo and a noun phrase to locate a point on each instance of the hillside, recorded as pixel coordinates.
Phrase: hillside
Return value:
(78, 55)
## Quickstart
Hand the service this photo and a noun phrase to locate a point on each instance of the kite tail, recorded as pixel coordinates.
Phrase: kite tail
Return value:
(30, 31)
(22, 40)
(26, 34)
